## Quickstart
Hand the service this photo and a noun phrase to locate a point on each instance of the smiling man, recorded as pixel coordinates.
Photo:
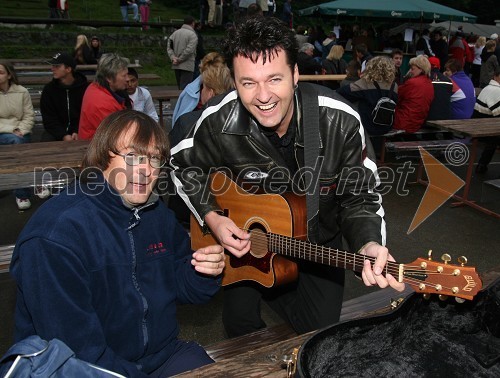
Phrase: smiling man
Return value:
(106, 95)
(258, 131)
(102, 265)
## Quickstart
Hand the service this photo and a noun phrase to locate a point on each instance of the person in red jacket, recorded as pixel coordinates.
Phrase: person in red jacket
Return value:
(414, 96)
(108, 94)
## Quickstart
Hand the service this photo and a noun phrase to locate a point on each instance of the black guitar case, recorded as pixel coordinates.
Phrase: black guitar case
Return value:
(421, 338)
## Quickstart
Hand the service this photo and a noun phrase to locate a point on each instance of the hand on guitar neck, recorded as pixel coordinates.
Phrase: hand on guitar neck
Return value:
(375, 276)
(237, 242)
(230, 236)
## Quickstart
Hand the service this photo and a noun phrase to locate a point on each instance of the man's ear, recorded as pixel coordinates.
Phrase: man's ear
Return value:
(295, 74)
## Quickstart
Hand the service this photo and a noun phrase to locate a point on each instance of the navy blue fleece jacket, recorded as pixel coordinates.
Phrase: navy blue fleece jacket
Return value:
(105, 278)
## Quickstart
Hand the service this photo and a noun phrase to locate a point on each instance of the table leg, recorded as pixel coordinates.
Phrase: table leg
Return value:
(160, 104)
(470, 169)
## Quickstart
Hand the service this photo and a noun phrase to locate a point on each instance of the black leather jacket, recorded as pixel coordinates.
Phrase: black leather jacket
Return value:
(226, 136)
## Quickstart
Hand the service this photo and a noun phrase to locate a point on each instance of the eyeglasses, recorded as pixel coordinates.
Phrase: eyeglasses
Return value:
(155, 161)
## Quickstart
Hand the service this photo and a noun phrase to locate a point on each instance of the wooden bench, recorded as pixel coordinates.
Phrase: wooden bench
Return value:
(261, 354)
(321, 77)
(44, 79)
(21, 68)
(388, 144)
(490, 190)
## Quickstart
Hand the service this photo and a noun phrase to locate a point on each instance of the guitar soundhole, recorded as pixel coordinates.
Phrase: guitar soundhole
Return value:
(259, 243)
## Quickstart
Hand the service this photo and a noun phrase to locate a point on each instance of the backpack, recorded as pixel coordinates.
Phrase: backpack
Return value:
(34, 357)
(383, 112)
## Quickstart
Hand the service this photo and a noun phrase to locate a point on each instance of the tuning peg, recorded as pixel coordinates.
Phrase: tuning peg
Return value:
(442, 297)
(462, 260)
(426, 296)
(429, 254)
(459, 300)
(446, 258)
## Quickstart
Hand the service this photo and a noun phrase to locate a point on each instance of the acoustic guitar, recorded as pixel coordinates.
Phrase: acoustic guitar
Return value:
(277, 223)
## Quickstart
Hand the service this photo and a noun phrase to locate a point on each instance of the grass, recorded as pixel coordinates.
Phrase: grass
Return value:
(154, 60)
(87, 10)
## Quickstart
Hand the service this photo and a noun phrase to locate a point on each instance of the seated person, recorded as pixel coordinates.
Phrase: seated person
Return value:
(140, 96)
(379, 71)
(488, 105)
(306, 62)
(61, 100)
(415, 96)
(102, 265)
(17, 119)
(353, 72)
(489, 63)
(333, 64)
(219, 82)
(462, 102)
(106, 95)
(443, 90)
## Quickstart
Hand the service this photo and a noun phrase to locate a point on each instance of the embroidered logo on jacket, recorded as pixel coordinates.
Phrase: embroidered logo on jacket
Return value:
(155, 249)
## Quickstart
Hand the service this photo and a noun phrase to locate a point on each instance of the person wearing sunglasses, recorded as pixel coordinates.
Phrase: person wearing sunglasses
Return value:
(102, 265)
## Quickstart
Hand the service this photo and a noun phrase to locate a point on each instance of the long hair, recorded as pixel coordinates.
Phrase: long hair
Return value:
(260, 37)
(81, 40)
(147, 132)
(10, 71)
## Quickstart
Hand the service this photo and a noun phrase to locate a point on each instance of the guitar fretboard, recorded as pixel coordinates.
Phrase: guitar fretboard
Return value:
(304, 250)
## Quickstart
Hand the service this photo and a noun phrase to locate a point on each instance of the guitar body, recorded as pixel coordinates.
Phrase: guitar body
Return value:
(260, 214)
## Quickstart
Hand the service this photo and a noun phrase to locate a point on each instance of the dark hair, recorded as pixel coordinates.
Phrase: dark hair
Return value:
(132, 71)
(114, 126)
(497, 72)
(395, 52)
(361, 48)
(254, 10)
(454, 65)
(260, 36)
(188, 20)
(352, 68)
(10, 71)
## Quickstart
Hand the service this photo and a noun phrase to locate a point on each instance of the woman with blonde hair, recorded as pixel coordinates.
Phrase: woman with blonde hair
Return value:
(414, 96)
(377, 81)
(215, 78)
(476, 63)
(82, 52)
(333, 64)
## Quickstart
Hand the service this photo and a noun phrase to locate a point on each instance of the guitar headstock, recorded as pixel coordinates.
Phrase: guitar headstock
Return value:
(427, 276)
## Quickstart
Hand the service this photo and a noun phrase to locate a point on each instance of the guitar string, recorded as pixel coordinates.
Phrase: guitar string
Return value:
(393, 267)
(409, 280)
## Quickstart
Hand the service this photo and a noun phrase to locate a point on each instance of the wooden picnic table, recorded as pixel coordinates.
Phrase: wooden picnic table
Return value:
(46, 67)
(43, 79)
(474, 128)
(322, 77)
(47, 163)
(162, 94)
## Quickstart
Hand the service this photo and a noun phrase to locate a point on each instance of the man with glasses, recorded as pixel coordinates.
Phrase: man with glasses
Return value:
(102, 265)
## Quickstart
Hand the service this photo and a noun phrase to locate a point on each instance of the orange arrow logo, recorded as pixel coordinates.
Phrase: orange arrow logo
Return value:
(442, 185)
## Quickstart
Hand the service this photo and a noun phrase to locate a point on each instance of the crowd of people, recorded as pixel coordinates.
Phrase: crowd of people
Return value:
(113, 287)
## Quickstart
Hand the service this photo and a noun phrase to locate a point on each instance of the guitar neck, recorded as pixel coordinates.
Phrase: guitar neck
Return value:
(304, 250)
